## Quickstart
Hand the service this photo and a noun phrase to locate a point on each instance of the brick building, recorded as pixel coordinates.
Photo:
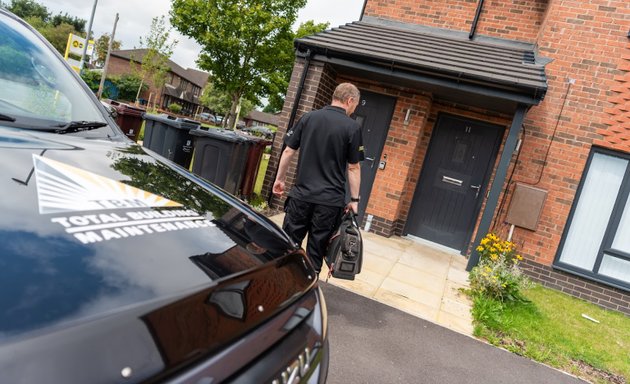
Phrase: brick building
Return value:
(183, 86)
(510, 116)
(260, 119)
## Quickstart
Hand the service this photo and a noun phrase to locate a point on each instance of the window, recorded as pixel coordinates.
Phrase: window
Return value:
(596, 241)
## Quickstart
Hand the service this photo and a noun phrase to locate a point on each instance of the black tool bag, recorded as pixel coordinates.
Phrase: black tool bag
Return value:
(345, 251)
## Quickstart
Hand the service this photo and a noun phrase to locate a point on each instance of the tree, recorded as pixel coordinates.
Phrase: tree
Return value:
(55, 29)
(221, 102)
(56, 35)
(101, 45)
(159, 50)
(77, 23)
(279, 81)
(28, 8)
(243, 42)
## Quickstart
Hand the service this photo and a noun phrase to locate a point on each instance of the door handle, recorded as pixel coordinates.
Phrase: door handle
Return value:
(478, 188)
(371, 159)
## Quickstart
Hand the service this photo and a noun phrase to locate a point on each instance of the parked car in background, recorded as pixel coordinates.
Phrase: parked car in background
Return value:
(208, 117)
(117, 265)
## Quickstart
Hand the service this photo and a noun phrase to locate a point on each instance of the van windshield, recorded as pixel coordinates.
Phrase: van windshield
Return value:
(36, 88)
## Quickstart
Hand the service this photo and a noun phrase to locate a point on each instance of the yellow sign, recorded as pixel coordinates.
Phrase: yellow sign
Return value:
(75, 46)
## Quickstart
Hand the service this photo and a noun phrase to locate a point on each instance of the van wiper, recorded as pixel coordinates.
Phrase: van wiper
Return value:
(6, 117)
(77, 126)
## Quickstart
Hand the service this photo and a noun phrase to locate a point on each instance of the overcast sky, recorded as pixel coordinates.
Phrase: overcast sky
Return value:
(135, 19)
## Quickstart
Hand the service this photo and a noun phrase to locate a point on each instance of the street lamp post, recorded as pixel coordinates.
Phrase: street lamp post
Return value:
(109, 50)
(87, 37)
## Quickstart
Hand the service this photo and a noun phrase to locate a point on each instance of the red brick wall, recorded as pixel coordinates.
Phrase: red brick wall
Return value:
(513, 19)
(317, 92)
(119, 66)
(586, 41)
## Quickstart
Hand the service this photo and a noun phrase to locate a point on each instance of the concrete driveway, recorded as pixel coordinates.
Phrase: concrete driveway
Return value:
(375, 343)
(420, 278)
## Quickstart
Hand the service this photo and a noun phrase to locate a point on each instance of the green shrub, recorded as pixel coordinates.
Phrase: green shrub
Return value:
(128, 85)
(175, 108)
(258, 202)
(497, 275)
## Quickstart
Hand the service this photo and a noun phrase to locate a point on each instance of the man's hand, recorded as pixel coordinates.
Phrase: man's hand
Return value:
(278, 187)
(285, 159)
(354, 206)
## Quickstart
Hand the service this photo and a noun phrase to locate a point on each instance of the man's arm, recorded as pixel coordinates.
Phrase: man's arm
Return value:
(285, 160)
(354, 178)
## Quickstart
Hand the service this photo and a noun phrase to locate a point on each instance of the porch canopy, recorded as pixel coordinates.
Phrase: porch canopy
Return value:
(489, 73)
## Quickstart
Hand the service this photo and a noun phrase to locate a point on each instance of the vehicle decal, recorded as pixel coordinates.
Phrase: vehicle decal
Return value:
(64, 188)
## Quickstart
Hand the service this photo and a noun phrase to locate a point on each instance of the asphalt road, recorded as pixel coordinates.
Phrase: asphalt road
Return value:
(374, 343)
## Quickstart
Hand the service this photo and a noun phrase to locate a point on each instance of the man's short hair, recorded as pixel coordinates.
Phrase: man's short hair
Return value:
(344, 91)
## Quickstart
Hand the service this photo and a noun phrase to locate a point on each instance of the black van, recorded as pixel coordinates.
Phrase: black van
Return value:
(117, 265)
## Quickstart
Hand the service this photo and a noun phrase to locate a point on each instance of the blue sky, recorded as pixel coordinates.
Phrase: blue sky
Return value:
(135, 19)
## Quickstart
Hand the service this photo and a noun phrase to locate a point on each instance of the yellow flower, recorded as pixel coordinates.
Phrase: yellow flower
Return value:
(480, 249)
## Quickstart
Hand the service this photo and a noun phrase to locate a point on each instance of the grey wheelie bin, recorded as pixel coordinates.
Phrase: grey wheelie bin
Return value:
(170, 137)
(220, 157)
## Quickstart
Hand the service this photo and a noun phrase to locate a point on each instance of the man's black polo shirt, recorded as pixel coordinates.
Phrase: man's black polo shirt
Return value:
(328, 140)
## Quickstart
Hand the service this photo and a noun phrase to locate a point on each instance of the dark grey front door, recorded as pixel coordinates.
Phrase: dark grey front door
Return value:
(453, 180)
(374, 113)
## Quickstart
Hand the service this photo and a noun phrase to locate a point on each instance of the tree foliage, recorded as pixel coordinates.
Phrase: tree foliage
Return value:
(280, 80)
(56, 35)
(126, 85)
(101, 45)
(28, 8)
(77, 23)
(244, 42)
(220, 102)
(159, 49)
(54, 28)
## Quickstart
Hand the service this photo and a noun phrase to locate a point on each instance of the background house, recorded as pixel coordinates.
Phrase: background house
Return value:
(477, 117)
(261, 119)
(183, 86)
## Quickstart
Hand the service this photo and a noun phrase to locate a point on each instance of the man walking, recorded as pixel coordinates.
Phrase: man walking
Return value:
(330, 147)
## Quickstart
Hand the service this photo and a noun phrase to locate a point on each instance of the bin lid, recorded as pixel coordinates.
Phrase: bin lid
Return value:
(179, 123)
(256, 139)
(126, 109)
(219, 134)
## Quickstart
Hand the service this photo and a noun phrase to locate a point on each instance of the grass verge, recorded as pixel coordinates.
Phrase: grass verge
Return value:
(551, 329)
(264, 162)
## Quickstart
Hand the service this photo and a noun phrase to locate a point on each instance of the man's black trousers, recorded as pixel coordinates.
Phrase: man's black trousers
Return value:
(319, 221)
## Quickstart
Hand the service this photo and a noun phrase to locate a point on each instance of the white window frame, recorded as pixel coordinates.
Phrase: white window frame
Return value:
(622, 202)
